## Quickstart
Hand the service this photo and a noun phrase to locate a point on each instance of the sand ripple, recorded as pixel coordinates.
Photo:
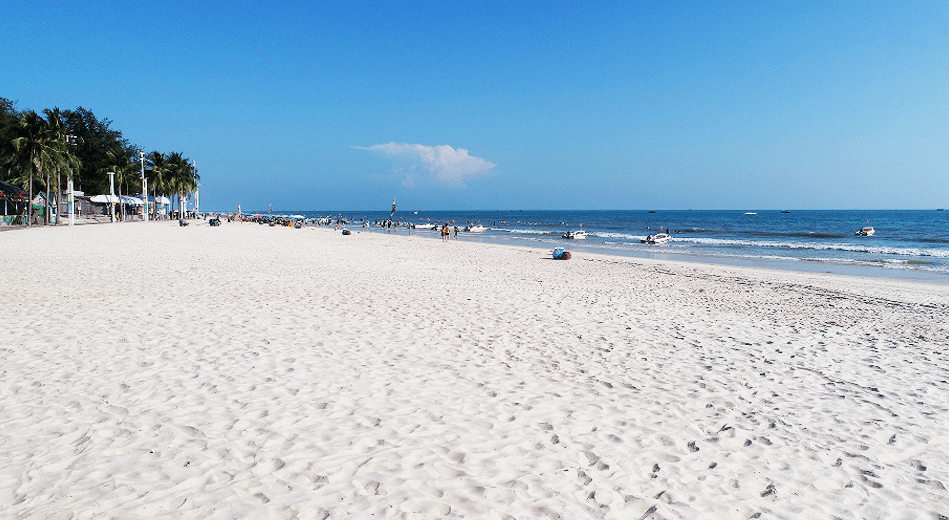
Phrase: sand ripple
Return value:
(252, 372)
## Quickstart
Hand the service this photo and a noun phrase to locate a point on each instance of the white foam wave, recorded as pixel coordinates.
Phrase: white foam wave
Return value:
(838, 246)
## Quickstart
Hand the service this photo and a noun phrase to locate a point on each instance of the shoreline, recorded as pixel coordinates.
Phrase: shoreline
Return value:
(783, 265)
(247, 371)
(800, 265)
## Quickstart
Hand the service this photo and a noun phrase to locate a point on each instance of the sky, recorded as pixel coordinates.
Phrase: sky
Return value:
(509, 105)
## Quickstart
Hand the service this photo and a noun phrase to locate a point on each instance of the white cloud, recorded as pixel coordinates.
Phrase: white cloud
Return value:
(445, 165)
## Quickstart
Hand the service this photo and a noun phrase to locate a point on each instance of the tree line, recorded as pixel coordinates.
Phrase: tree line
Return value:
(41, 152)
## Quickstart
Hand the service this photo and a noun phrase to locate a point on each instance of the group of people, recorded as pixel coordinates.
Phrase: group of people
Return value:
(447, 232)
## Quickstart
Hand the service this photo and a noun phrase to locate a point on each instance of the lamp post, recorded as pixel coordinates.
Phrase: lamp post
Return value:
(144, 192)
(111, 195)
(69, 185)
(194, 168)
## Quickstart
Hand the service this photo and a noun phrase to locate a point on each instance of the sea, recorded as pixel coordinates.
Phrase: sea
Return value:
(912, 244)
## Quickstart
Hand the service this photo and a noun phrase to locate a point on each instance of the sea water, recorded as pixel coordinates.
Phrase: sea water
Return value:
(907, 243)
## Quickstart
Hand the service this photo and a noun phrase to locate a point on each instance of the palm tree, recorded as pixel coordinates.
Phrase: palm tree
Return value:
(156, 171)
(182, 177)
(58, 133)
(192, 176)
(39, 148)
(120, 161)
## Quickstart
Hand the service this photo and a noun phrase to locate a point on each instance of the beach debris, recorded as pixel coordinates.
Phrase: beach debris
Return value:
(561, 254)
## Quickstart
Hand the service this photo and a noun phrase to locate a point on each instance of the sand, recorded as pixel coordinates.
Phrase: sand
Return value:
(244, 371)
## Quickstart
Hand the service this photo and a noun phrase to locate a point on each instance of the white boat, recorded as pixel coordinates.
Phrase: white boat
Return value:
(750, 213)
(476, 229)
(865, 232)
(424, 226)
(577, 235)
(658, 238)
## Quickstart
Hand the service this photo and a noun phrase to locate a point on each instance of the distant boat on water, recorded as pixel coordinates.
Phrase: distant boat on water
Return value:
(785, 211)
(658, 238)
(768, 239)
(750, 213)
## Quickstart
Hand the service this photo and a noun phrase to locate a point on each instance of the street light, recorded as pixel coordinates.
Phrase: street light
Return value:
(194, 169)
(111, 195)
(144, 189)
(69, 185)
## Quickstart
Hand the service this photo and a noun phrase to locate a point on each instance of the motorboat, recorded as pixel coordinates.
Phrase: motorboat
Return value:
(577, 235)
(865, 232)
(423, 226)
(658, 238)
(475, 229)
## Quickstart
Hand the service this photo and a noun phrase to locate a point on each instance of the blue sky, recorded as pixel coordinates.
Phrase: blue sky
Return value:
(510, 105)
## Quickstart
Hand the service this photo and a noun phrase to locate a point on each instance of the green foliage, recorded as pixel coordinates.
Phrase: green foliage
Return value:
(96, 140)
(170, 175)
(9, 118)
(32, 148)
(156, 171)
(39, 148)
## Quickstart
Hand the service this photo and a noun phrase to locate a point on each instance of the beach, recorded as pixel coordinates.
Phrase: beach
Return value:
(244, 371)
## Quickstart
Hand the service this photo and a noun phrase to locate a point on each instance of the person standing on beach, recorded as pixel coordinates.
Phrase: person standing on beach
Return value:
(445, 232)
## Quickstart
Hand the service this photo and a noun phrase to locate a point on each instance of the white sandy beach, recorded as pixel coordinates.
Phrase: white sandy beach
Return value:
(253, 372)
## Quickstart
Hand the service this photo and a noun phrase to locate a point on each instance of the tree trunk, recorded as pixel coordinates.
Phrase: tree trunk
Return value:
(46, 209)
(29, 203)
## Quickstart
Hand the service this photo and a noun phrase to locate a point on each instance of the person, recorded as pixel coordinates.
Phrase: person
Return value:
(445, 232)
(456, 232)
